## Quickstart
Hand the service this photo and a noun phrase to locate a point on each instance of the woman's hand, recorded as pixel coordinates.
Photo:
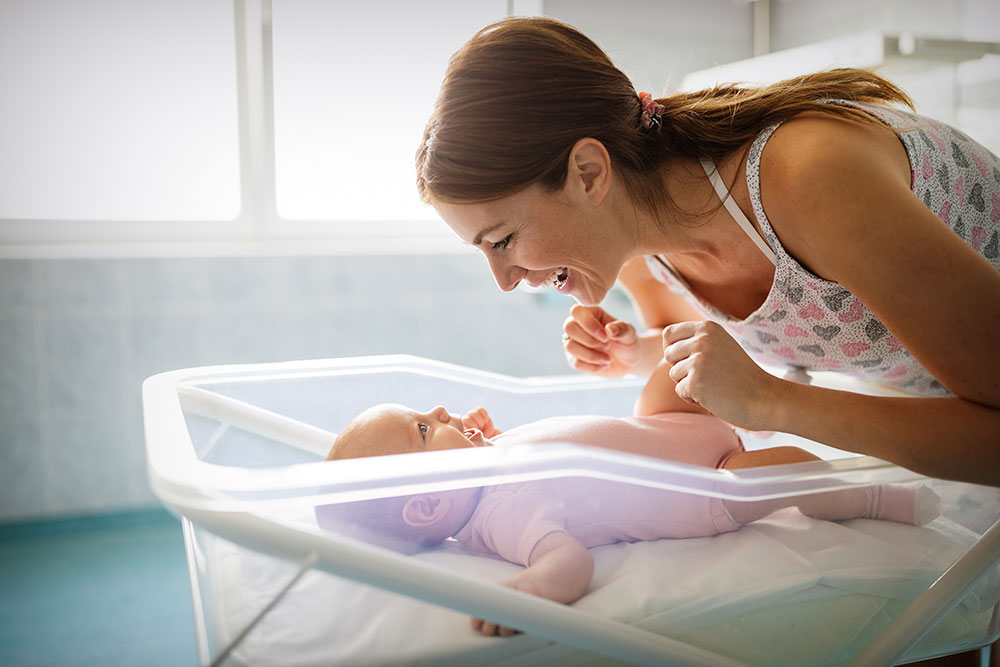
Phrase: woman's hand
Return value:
(597, 343)
(712, 370)
(481, 419)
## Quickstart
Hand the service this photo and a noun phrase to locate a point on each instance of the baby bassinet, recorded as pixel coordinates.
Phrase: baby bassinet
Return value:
(238, 451)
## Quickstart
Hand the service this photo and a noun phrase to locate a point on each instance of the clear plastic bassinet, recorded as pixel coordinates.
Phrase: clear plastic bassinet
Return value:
(238, 452)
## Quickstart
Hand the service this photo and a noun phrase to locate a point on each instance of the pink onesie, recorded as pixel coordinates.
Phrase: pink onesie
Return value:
(511, 519)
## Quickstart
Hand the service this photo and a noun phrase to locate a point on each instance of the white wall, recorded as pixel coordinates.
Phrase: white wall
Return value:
(657, 42)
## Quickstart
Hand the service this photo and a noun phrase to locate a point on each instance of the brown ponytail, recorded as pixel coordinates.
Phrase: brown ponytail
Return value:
(523, 91)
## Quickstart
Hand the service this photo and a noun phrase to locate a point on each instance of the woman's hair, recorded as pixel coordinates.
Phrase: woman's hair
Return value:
(523, 91)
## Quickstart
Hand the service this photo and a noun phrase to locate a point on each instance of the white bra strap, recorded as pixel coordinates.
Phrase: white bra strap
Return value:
(727, 200)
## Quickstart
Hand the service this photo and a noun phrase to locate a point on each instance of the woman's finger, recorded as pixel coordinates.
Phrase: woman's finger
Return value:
(680, 331)
(591, 319)
(680, 370)
(622, 333)
(684, 390)
(584, 367)
(587, 355)
(573, 330)
(676, 352)
(683, 377)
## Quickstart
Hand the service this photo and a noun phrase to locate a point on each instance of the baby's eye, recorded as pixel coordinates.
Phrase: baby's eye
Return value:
(503, 243)
(423, 428)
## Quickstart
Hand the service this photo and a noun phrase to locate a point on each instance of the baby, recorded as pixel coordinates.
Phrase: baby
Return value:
(548, 525)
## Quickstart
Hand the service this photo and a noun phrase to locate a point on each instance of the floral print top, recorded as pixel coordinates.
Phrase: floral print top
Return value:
(811, 324)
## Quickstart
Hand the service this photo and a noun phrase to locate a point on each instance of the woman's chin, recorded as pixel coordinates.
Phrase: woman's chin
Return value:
(589, 297)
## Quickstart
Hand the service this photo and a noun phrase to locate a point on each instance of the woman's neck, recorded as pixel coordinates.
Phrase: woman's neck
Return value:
(689, 224)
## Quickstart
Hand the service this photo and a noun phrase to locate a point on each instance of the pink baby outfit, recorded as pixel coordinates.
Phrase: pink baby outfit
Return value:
(814, 324)
(511, 519)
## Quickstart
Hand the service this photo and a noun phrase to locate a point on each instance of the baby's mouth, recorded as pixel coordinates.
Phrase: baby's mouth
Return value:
(471, 434)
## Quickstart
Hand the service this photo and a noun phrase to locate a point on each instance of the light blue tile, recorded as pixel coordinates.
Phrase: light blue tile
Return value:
(397, 275)
(81, 282)
(245, 337)
(459, 273)
(137, 476)
(18, 286)
(84, 357)
(380, 328)
(249, 280)
(22, 493)
(151, 283)
(87, 465)
(18, 368)
(306, 333)
(166, 341)
(321, 280)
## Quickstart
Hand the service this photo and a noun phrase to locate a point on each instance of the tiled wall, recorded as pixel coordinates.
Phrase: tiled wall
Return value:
(77, 337)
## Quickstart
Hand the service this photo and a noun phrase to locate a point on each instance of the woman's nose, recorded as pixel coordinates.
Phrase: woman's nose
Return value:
(507, 277)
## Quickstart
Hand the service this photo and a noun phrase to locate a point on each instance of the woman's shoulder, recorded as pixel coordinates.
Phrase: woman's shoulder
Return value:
(816, 159)
(813, 140)
(819, 174)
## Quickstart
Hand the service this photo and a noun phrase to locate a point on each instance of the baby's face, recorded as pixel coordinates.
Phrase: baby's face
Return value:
(396, 429)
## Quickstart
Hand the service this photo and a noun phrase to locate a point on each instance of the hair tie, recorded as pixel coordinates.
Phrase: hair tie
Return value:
(651, 111)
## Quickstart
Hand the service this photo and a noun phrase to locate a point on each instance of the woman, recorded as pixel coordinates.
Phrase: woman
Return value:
(854, 237)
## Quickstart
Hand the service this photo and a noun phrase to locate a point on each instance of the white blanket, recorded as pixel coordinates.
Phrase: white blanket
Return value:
(786, 590)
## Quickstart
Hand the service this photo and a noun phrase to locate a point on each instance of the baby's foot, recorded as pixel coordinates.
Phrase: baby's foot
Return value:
(907, 503)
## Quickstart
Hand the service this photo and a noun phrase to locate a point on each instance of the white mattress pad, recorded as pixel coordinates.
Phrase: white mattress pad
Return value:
(785, 590)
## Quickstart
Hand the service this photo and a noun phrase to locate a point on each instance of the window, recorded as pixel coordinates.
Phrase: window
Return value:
(265, 122)
(353, 90)
(118, 111)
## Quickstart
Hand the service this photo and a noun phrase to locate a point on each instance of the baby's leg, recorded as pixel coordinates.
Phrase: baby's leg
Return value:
(907, 503)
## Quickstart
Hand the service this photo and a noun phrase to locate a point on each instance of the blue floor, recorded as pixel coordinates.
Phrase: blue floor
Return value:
(109, 591)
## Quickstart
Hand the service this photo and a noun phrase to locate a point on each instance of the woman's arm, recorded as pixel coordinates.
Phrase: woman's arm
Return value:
(838, 197)
(949, 438)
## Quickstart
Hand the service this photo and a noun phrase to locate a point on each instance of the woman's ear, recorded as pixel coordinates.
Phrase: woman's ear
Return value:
(425, 509)
(589, 170)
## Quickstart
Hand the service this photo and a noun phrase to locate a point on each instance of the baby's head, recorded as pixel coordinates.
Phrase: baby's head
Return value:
(405, 523)
(396, 429)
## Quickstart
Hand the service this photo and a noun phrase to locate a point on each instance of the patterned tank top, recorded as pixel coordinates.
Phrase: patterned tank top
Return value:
(807, 323)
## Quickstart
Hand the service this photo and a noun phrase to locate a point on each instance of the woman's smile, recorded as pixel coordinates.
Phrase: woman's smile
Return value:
(542, 238)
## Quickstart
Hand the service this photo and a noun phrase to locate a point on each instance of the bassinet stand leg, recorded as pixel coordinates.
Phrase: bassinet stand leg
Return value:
(304, 566)
(931, 605)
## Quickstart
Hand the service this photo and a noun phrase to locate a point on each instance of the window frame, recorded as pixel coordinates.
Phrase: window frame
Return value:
(257, 228)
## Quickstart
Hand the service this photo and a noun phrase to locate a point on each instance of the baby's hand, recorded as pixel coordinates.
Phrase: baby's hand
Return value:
(518, 582)
(481, 419)
(492, 629)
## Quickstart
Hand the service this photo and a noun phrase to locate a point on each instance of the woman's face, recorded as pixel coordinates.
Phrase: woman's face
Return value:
(543, 238)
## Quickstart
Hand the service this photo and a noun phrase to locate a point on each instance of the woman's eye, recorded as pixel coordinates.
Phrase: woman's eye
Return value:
(503, 243)
(423, 428)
